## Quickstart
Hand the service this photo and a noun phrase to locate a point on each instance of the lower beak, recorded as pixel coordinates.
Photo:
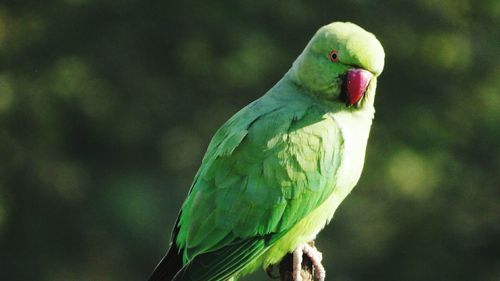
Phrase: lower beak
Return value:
(355, 85)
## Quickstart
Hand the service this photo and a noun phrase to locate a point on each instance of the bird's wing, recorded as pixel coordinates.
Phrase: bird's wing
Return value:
(266, 168)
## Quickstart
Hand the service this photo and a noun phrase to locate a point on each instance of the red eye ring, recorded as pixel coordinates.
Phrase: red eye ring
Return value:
(333, 55)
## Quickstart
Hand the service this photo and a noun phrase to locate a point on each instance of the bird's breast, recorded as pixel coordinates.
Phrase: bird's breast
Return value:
(355, 130)
(354, 133)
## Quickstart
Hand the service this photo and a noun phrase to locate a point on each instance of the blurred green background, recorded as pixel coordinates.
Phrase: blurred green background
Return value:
(106, 108)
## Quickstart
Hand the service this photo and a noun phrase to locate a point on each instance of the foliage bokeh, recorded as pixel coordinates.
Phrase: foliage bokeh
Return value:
(106, 108)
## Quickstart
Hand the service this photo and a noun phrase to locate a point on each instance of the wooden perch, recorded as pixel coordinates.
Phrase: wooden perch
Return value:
(286, 268)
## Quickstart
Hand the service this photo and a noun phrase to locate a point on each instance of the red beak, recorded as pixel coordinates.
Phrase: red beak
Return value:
(355, 85)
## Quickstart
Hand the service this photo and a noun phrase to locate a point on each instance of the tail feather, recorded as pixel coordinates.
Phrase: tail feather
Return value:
(169, 266)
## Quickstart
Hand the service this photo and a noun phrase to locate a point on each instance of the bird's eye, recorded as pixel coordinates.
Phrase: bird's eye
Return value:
(334, 56)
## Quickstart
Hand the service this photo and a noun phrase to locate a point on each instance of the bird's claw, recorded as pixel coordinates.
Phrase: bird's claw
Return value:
(314, 255)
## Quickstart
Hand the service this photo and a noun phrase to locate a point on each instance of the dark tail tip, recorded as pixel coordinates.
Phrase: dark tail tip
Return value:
(168, 267)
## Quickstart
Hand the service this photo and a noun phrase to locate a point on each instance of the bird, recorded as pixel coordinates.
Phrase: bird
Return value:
(276, 171)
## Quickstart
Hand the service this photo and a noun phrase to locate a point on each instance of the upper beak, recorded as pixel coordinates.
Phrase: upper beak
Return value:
(355, 84)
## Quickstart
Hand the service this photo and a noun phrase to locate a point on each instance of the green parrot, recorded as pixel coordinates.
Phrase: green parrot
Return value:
(274, 173)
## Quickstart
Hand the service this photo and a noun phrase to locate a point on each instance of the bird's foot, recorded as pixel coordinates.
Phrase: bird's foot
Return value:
(314, 255)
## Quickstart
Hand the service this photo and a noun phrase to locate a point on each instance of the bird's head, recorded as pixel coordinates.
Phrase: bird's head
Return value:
(340, 65)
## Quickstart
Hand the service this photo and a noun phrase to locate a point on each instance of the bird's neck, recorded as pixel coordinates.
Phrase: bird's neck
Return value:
(288, 88)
